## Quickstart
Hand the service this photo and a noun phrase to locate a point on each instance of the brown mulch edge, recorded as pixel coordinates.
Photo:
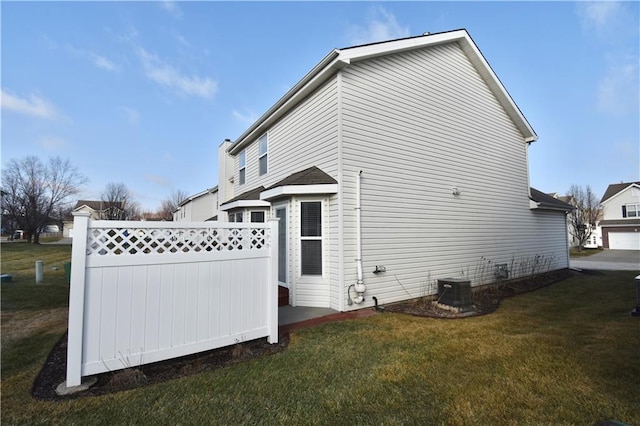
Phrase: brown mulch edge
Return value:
(54, 370)
(485, 300)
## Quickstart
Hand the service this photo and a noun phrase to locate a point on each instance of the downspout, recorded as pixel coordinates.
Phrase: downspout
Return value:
(359, 287)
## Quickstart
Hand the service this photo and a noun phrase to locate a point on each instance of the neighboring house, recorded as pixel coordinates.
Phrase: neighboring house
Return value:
(98, 210)
(595, 239)
(391, 165)
(200, 207)
(621, 216)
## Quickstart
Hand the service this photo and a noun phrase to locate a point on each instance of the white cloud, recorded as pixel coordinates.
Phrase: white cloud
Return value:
(248, 117)
(618, 92)
(598, 14)
(166, 75)
(104, 63)
(31, 105)
(172, 8)
(133, 116)
(380, 25)
(52, 143)
(96, 59)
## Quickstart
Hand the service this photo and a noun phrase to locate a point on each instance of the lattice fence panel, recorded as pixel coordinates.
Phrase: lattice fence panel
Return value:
(129, 241)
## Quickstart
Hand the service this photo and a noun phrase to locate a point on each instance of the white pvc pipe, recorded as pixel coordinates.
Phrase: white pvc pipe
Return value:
(39, 271)
(359, 287)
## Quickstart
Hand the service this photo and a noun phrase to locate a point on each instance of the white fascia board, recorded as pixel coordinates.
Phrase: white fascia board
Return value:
(397, 46)
(536, 206)
(338, 59)
(244, 203)
(473, 53)
(494, 83)
(312, 80)
(280, 191)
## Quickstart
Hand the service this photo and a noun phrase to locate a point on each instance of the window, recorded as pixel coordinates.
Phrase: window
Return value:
(243, 168)
(311, 238)
(235, 217)
(631, 210)
(257, 217)
(263, 154)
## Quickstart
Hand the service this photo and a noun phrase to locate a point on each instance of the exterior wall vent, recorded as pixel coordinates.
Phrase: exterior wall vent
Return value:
(456, 293)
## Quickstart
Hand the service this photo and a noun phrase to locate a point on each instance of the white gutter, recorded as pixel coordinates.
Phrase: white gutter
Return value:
(359, 287)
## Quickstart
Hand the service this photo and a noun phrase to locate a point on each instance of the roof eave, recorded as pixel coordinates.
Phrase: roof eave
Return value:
(309, 82)
(340, 58)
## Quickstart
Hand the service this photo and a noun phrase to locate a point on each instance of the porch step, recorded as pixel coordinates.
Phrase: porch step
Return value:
(283, 296)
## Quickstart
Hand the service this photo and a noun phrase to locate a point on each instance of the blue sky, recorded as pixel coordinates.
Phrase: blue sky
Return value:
(144, 92)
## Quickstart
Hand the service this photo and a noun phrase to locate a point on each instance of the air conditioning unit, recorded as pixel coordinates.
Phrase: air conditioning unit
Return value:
(455, 292)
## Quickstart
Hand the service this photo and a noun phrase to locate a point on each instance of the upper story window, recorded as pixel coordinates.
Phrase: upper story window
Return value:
(243, 167)
(263, 154)
(631, 210)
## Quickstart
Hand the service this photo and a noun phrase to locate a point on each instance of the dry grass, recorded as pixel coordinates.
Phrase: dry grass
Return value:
(565, 354)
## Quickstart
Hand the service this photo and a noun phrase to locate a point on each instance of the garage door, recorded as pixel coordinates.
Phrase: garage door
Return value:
(624, 240)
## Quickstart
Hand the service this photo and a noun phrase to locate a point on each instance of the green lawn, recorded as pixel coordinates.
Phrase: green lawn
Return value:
(565, 354)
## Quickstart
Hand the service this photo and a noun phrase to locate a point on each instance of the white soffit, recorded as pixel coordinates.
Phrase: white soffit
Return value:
(287, 190)
(244, 203)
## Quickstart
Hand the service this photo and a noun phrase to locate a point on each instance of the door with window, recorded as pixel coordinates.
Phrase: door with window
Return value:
(283, 261)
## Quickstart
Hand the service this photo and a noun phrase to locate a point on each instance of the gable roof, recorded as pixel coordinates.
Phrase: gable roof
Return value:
(547, 202)
(198, 195)
(616, 188)
(98, 205)
(338, 59)
(310, 176)
(253, 194)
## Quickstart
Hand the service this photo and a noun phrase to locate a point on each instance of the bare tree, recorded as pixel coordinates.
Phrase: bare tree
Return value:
(118, 203)
(37, 193)
(171, 203)
(582, 220)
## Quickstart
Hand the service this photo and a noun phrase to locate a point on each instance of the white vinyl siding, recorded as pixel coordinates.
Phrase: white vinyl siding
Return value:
(307, 136)
(419, 124)
(198, 209)
(612, 207)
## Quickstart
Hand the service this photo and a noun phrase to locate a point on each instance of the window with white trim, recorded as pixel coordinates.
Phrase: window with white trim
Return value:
(257, 216)
(235, 217)
(311, 238)
(631, 210)
(263, 154)
(243, 167)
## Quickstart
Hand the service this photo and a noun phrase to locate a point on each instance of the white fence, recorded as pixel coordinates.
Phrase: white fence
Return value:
(143, 292)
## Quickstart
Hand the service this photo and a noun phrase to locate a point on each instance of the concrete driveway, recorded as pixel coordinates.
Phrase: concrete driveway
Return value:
(609, 260)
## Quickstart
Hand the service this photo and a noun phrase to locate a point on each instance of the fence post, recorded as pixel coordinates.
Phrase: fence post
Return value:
(76, 298)
(272, 292)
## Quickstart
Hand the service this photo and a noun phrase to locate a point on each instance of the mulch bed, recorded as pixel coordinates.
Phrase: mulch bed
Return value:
(484, 300)
(53, 372)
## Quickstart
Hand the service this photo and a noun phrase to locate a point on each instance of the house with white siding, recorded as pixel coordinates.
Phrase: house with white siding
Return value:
(621, 216)
(391, 165)
(199, 207)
